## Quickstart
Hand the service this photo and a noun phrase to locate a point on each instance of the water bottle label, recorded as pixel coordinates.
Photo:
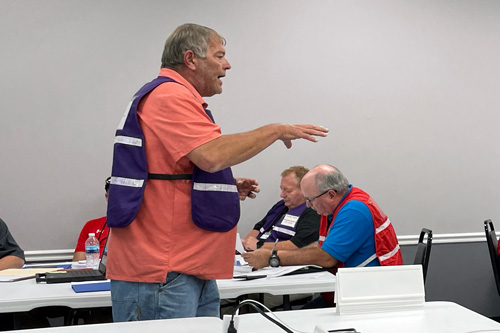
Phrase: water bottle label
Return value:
(92, 249)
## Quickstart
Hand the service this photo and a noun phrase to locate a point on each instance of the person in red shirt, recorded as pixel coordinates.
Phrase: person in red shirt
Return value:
(96, 226)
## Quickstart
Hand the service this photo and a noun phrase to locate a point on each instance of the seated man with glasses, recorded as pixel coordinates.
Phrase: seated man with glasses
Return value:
(96, 226)
(354, 230)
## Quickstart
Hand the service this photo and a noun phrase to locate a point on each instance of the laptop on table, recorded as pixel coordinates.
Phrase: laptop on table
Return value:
(77, 275)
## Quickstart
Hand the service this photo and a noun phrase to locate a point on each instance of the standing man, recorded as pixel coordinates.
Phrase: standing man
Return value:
(354, 230)
(178, 216)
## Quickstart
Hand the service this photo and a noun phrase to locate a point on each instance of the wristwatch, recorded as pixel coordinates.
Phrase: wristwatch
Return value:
(274, 261)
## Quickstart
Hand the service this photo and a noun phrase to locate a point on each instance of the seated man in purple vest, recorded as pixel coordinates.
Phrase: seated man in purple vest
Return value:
(289, 220)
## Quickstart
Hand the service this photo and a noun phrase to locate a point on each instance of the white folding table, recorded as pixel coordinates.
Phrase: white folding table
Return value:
(27, 294)
(434, 317)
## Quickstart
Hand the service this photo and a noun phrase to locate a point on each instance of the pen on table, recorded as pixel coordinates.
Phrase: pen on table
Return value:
(249, 277)
(35, 266)
(275, 242)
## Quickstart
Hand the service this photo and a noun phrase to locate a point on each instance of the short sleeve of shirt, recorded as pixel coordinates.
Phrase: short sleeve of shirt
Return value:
(307, 229)
(259, 224)
(97, 226)
(8, 246)
(351, 237)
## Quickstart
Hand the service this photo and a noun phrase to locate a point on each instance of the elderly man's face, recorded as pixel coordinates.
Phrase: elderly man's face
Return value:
(211, 69)
(321, 202)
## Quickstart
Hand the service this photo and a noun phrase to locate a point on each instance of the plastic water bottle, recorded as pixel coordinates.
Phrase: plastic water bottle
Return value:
(92, 251)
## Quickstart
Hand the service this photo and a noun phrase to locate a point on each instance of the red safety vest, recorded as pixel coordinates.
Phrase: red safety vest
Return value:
(386, 243)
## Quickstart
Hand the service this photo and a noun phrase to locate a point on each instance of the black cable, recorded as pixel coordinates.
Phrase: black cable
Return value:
(232, 329)
(102, 231)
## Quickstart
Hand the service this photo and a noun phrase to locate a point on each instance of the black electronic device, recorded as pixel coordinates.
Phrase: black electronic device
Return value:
(274, 261)
(77, 275)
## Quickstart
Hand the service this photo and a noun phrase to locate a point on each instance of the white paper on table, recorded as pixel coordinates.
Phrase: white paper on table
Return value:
(239, 244)
(272, 272)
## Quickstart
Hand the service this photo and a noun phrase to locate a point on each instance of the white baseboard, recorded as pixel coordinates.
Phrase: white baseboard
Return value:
(67, 254)
(445, 238)
(49, 255)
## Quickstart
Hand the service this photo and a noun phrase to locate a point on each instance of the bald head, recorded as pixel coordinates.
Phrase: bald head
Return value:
(326, 177)
(308, 182)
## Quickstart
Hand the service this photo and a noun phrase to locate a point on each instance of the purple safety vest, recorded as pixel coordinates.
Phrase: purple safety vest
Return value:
(277, 228)
(215, 202)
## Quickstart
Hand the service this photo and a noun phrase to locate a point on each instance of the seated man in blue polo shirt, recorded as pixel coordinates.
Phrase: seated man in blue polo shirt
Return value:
(289, 220)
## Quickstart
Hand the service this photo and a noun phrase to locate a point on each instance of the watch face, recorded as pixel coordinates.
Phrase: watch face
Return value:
(274, 262)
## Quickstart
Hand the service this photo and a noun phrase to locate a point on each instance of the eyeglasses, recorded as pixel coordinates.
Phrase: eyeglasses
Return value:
(316, 197)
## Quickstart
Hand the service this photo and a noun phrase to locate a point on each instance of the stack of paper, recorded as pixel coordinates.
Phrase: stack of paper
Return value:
(18, 274)
(272, 272)
(240, 266)
(379, 289)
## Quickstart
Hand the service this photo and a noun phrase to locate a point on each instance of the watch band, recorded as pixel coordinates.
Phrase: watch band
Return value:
(274, 260)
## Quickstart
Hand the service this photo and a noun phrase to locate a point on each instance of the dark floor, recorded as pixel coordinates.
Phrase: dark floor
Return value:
(54, 317)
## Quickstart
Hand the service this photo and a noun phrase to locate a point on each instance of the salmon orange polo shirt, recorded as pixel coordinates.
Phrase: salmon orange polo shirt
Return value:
(163, 238)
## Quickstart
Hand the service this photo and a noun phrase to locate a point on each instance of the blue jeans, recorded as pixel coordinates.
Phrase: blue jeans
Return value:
(180, 296)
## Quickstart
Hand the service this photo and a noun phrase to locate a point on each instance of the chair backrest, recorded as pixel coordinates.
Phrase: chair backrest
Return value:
(492, 241)
(423, 250)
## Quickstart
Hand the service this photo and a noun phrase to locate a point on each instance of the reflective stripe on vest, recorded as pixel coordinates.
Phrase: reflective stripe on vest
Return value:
(367, 261)
(386, 256)
(128, 140)
(285, 231)
(390, 254)
(215, 187)
(127, 182)
(383, 226)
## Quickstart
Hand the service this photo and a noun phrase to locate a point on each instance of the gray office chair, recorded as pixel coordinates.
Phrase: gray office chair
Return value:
(492, 241)
(423, 250)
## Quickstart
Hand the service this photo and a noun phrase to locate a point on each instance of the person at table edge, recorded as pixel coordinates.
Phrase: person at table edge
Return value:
(11, 254)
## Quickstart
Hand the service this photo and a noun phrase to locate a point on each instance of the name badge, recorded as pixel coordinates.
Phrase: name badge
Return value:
(290, 220)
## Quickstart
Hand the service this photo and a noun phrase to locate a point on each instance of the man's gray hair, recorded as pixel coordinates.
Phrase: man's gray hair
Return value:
(186, 37)
(333, 180)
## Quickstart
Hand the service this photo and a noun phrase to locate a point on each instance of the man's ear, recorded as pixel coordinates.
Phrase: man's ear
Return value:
(190, 59)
